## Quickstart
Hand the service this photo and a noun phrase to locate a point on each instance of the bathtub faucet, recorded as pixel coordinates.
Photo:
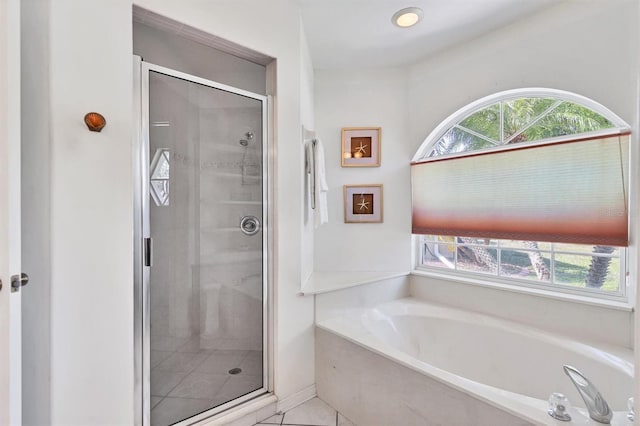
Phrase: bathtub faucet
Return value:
(598, 408)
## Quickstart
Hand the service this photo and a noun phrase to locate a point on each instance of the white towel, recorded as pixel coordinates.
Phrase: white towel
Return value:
(322, 211)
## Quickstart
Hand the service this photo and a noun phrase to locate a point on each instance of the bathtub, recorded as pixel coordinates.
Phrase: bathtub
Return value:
(472, 369)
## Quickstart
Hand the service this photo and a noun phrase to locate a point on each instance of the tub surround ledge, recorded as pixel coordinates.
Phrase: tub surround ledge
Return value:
(326, 281)
(537, 292)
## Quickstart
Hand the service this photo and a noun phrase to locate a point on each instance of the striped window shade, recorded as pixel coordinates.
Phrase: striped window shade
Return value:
(571, 191)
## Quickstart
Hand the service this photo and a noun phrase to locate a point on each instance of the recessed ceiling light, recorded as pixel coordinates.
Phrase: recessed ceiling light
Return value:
(407, 17)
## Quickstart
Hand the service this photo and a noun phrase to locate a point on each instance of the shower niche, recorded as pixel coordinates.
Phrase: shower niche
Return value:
(201, 258)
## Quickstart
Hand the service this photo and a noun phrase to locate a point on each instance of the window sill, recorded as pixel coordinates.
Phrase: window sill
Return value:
(568, 297)
(324, 281)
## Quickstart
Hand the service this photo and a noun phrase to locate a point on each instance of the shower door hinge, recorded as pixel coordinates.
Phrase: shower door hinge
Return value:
(148, 252)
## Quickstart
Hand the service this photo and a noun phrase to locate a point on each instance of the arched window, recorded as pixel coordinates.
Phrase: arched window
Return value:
(511, 154)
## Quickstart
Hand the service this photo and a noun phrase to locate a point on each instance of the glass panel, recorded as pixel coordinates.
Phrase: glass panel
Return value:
(598, 269)
(160, 192)
(206, 283)
(160, 175)
(160, 164)
(530, 245)
(479, 241)
(477, 259)
(566, 119)
(439, 255)
(457, 140)
(525, 264)
(590, 267)
(518, 113)
(595, 272)
(582, 248)
(486, 122)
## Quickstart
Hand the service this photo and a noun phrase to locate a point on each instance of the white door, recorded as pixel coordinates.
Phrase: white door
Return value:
(10, 343)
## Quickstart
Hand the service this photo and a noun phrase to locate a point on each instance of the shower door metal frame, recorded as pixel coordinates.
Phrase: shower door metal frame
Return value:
(142, 231)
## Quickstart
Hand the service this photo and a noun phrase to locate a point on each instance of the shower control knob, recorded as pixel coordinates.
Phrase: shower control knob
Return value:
(249, 225)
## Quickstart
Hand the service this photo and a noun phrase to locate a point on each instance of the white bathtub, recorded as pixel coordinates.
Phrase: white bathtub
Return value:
(503, 364)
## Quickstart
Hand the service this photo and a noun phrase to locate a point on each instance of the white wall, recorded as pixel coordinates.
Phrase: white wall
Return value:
(163, 47)
(376, 98)
(587, 47)
(272, 28)
(90, 69)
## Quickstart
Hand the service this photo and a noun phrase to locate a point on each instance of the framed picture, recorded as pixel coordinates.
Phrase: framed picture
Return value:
(363, 203)
(361, 146)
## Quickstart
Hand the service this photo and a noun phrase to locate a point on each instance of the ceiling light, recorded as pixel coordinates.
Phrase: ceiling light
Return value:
(407, 17)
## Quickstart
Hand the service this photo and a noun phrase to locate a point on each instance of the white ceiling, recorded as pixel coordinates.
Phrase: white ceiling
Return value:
(355, 33)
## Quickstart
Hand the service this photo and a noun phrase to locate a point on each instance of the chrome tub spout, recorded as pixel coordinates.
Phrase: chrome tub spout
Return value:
(596, 405)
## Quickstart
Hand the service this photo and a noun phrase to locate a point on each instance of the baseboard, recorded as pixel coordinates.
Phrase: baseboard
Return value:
(296, 399)
(252, 411)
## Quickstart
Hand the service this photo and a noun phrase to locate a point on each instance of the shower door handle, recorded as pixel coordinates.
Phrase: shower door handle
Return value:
(148, 251)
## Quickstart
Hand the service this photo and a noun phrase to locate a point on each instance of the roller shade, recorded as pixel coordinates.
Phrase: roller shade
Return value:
(573, 191)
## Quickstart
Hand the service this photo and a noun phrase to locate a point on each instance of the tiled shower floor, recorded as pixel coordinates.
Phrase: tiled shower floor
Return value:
(314, 412)
(186, 380)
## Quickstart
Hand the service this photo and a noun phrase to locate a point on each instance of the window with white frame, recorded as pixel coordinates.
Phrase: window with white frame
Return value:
(471, 162)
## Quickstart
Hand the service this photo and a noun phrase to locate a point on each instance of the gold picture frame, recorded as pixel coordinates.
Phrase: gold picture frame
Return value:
(361, 146)
(363, 203)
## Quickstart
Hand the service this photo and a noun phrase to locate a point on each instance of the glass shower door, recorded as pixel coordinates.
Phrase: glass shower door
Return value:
(206, 287)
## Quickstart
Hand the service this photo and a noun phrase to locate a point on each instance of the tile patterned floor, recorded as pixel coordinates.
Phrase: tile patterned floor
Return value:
(186, 380)
(314, 412)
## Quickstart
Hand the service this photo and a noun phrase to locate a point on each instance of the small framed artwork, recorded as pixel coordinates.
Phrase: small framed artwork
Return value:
(361, 146)
(363, 203)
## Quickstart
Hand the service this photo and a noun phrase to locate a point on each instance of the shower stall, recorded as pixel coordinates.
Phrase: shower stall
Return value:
(201, 263)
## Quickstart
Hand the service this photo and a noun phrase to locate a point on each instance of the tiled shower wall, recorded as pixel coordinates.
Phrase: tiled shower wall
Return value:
(173, 226)
(206, 281)
(230, 262)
